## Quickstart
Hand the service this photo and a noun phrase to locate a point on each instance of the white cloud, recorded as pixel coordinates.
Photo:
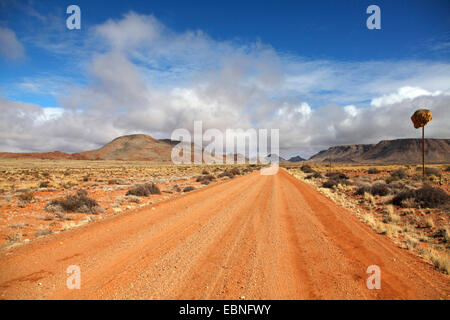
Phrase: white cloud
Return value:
(10, 46)
(351, 110)
(154, 80)
(402, 94)
(131, 31)
(49, 114)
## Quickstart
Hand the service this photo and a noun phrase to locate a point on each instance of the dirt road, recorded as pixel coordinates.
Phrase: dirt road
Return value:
(258, 237)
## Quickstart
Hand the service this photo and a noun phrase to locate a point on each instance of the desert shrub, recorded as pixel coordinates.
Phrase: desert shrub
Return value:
(117, 181)
(363, 189)
(144, 190)
(399, 174)
(207, 177)
(389, 180)
(14, 237)
(429, 197)
(315, 175)
(152, 188)
(140, 191)
(432, 171)
(26, 197)
(425, 197)
(447, 169)
(205, 171)
(373, 170)
(306, 168)
(336, 175)
(134, 199)
(188, 188)
(67, 185)
(226, 173)
(332, 182)
(235, 171)
(401, 198)
(44, 184)
(397, 185)
(78, 202)
(379, 189)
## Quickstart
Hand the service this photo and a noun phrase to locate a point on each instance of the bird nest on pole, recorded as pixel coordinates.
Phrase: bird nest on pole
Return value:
(421, 117)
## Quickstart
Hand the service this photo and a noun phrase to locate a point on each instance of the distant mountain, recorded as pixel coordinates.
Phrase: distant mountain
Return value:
(388, 151)
(144, 147)
(296, 159)
(130, 147)
(42, 155)
(273, 158)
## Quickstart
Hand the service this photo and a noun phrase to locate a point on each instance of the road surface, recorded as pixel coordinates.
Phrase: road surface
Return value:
(252, 237)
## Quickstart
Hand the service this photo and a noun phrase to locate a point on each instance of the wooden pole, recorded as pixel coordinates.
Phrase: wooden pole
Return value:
(423, 153)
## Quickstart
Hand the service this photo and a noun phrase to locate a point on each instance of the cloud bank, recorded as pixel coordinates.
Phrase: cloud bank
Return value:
(142, 77)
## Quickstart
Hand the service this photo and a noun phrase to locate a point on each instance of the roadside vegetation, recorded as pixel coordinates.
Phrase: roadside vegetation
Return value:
(41, 197)
(394, 200)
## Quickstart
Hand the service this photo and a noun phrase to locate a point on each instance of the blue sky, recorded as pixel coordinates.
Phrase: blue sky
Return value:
(249, 63)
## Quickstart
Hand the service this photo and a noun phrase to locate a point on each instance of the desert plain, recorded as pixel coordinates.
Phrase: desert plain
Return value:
(140, 230)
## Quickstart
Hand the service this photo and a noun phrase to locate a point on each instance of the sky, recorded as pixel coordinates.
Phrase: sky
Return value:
(311, 69)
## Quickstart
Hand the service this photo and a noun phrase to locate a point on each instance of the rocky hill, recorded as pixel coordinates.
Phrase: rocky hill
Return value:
(388, 151)
(296, 159)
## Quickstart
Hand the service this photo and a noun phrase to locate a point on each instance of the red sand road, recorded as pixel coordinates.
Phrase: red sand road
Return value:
(258, 237)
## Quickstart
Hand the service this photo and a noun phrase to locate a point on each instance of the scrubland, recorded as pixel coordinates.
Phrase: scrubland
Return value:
(41, 197)
(393, 200)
